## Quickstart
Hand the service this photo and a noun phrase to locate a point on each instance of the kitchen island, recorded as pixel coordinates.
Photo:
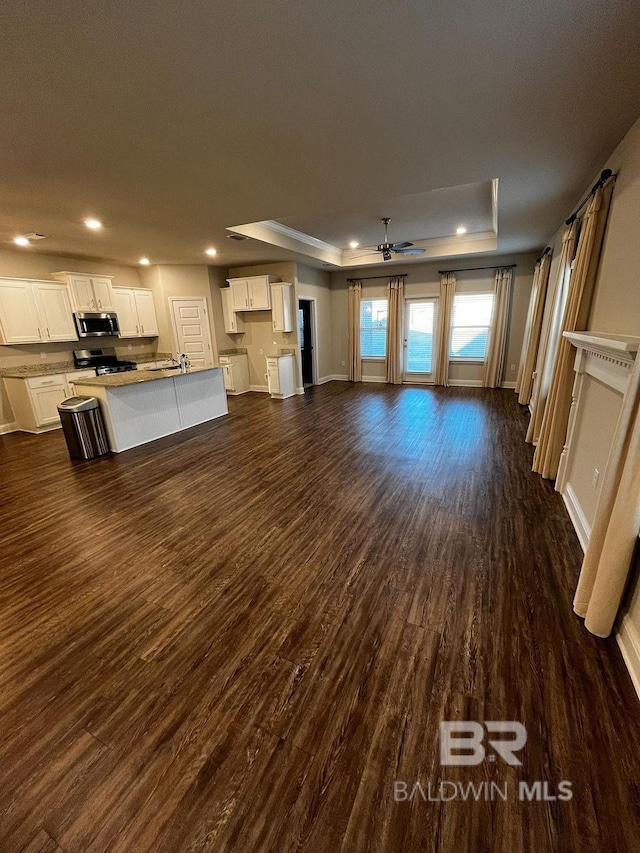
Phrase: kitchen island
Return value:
(142, 405)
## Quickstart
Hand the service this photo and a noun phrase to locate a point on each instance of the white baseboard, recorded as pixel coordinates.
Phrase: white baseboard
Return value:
(511, 385)
(262, 388)
(577, 516)
(465, 383)
(299, 390)
(628, 638)
(330, 378)
(373, 379)
(7, 428)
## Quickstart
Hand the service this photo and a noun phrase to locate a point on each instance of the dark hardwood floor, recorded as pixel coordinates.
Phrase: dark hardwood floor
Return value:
(239, 640)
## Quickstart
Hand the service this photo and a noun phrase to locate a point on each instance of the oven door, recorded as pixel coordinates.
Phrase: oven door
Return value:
(94, 325)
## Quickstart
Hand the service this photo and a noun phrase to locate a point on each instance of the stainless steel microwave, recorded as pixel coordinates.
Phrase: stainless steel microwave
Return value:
(96, 325)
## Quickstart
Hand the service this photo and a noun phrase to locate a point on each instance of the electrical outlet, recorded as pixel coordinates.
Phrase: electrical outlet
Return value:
(513, 367)
(43, 355)
(596, 475)
(261, 352)
(130, 347)
(343, 363)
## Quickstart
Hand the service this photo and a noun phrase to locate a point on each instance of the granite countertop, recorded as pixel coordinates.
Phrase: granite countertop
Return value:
(233, 351)
(25, 371)
(135, 377)
(280, 355)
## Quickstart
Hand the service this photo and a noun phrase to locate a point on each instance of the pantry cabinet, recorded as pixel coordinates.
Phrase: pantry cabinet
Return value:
(35, 312)
(252, 293)
(88, 292)
(282, 306)
(136, 312)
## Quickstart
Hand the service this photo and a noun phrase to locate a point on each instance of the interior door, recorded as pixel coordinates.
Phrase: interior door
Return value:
(191, 330)
(420, 350)
(306, 340)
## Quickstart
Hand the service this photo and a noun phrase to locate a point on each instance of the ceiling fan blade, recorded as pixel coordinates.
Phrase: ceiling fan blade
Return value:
(409, 251)
(404, 245)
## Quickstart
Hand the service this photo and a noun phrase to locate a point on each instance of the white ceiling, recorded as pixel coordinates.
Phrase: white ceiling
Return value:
(172, 122)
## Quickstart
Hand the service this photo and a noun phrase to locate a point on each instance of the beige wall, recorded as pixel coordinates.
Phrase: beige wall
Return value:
(424, 280)
(315, 284)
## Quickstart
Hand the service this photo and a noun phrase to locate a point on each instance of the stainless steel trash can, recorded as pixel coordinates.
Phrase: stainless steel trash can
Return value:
(83, 427)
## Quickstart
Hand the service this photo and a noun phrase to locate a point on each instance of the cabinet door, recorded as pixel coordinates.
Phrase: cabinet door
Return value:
(227, 372)
(124, 305)
(82, 293)
(232, 323)
(18, 313)
(102, 294)
(239, 294)
(146, 313)
(273, 376)
(45, 403)
(259, 293)
(56, 316)
(281, 308)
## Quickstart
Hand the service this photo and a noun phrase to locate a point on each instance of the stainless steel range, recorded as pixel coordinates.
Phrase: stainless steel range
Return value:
(102, 360)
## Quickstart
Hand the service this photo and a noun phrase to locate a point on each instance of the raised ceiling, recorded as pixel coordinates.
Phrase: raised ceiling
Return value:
(173, 122)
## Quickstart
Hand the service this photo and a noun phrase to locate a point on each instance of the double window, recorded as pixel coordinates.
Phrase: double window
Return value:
(470, 326)
(373, 328)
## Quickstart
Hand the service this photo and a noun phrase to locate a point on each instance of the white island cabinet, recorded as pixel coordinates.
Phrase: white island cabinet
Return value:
(142, 405)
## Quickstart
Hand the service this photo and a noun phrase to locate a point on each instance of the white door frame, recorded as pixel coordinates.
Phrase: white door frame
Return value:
(420, 378)
(207, 325)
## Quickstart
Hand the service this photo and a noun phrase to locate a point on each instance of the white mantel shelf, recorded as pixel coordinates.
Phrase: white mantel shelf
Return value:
(604, 343)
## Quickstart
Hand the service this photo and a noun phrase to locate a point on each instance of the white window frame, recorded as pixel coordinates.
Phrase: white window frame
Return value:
(465, 359)
(378, 358)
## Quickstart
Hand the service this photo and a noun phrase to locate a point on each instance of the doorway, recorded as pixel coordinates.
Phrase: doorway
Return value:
(305, 327)
(191, 330)
(419, 341)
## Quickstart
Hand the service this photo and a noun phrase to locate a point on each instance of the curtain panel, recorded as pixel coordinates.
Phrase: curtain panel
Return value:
(556, 414)
(497, 343)
(393, 359)
(353, 322)
(549, 340)
(445, 313)
(531, 343)
(608, 558)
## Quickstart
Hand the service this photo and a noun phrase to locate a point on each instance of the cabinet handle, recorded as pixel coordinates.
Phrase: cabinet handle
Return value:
(48, 335)
(39, 334)
(142, 327)
(99, 303)
(137, 331)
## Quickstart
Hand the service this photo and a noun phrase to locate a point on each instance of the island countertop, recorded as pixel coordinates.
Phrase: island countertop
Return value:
(136, 377)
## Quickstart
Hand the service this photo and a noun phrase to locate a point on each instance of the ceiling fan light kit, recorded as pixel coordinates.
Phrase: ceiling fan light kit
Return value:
(389, 249)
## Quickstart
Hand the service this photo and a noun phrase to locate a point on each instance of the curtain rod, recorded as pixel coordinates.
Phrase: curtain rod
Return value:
(602, 180)
(367, 277)
(546, 252)
(473, 269)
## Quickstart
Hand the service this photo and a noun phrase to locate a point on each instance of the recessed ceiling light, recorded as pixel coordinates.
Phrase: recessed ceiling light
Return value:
(94, 224)
(21, 241)
(145, 262)
(461, 230)
(354, 244)
(211, 251)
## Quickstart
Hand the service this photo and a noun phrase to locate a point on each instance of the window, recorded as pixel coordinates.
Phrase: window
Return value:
(419, 326)
(373, 328)
(470, 326)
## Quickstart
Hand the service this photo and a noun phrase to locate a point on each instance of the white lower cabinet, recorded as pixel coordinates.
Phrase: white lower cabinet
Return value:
(280, 376)
(235, 370)
(76, 376)
(35, 400)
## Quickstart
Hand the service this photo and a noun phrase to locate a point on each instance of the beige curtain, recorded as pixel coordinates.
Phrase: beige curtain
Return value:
(353, 319)
(393, 360)
(524, 383)
(549, 341)
(556, 414)
(497, 343)
(445, 312)
(608, 558)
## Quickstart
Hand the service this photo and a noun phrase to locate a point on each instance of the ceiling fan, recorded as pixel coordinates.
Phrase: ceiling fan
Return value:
(388, 248)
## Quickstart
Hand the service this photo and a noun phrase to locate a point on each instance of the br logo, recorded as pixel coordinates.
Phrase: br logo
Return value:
(462, 741)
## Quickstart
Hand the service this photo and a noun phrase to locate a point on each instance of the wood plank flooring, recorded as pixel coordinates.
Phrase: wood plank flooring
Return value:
(240, 638)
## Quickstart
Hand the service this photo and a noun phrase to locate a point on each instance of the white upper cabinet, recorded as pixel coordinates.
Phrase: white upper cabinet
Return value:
(35, 312)
(233, 323)
(251, 294)
(282, 307)
(54, 307)
(146, 313)
(136, 312)
(88, 292)
(18, 315)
